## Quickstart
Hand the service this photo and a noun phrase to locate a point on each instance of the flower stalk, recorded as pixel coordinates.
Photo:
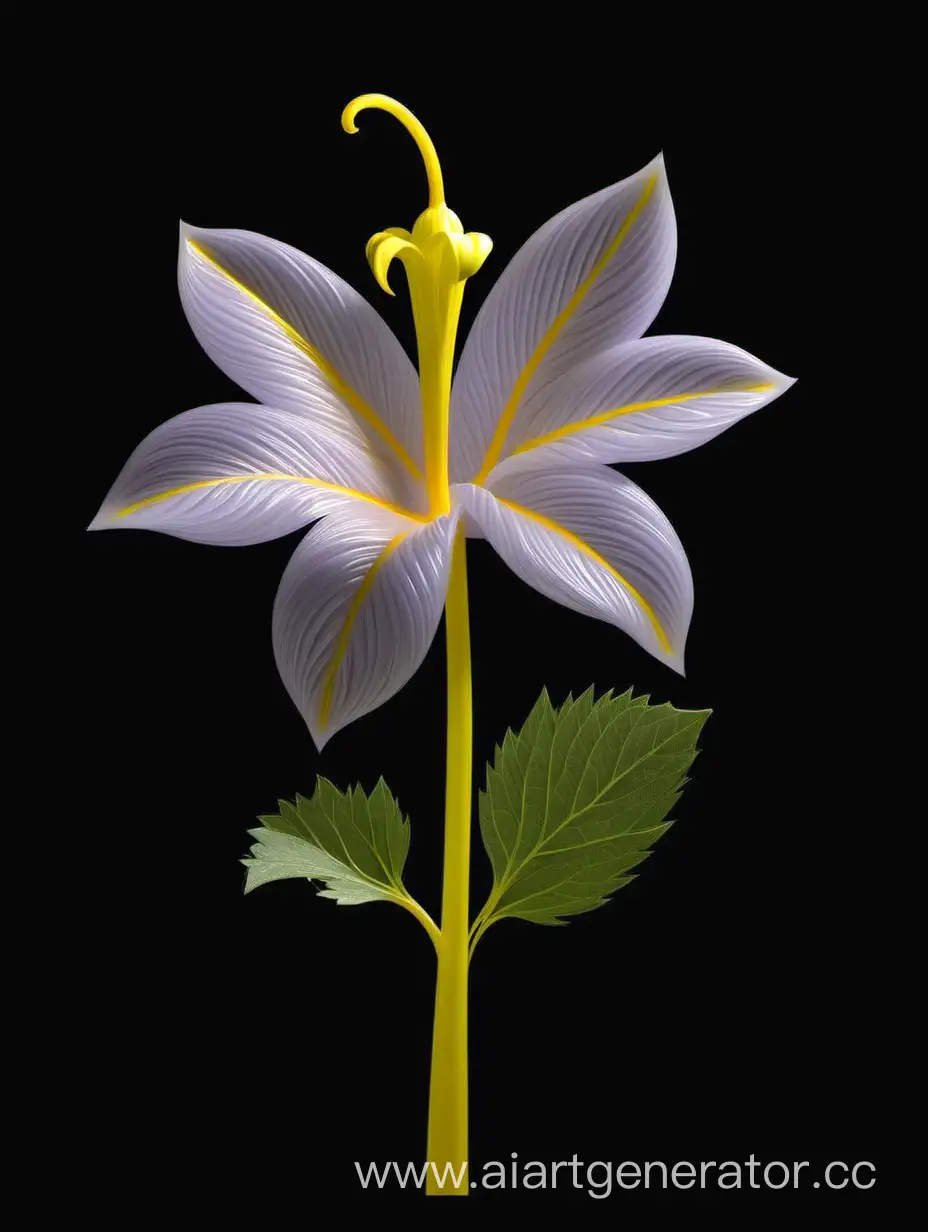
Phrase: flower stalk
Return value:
(438, 257)
(447, 1135)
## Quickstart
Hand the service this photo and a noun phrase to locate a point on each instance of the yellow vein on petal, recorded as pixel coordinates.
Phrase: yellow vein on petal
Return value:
(582, 546)
(331, 374)
(316, 483)
(495, 448)
(344, 637)
(631, 409)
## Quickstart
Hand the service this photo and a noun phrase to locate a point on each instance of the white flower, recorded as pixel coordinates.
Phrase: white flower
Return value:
(554, 384)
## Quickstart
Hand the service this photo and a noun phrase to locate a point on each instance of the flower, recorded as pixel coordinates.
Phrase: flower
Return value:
(555, 384)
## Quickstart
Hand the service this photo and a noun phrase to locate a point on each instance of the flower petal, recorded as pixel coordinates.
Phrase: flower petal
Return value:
(589, 538)
(296, 336)
(591, 277)
(237, 473)
(642, 400)
(356, 612)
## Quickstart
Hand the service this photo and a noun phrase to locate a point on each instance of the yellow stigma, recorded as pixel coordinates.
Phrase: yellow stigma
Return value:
(382, 102)
(438, 257)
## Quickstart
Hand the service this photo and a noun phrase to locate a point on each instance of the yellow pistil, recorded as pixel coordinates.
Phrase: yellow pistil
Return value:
(438, 257)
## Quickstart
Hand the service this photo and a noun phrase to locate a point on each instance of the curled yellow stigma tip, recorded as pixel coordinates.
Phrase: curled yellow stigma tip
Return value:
(382, 102)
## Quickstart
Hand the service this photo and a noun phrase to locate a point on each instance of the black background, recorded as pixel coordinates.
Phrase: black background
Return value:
(243, 1052)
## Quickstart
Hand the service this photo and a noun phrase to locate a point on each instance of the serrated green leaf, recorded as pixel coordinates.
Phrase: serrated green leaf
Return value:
(355, 844)
(575, 799)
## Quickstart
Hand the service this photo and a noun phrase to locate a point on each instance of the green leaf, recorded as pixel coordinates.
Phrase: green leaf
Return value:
(355, 844)
(575, 799)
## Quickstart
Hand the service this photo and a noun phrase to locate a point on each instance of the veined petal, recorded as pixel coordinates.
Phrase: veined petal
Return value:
(591, 277)
(589, 538)
(238, 473)
(356, 612)
(296, 336)
(642, 400)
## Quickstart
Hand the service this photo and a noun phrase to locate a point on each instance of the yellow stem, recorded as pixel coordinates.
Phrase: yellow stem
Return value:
(447, 1138)
(438, 258)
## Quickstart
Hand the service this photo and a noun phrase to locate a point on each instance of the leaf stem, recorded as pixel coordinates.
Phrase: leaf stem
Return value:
(478, 928)
(447, 1136)
(422, 916)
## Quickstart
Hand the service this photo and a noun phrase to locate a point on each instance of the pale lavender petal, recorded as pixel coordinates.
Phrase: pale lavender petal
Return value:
(238, 473)
(592, 540)
(357, 610)
(642, 400)
(296, 336)
(591, 277)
